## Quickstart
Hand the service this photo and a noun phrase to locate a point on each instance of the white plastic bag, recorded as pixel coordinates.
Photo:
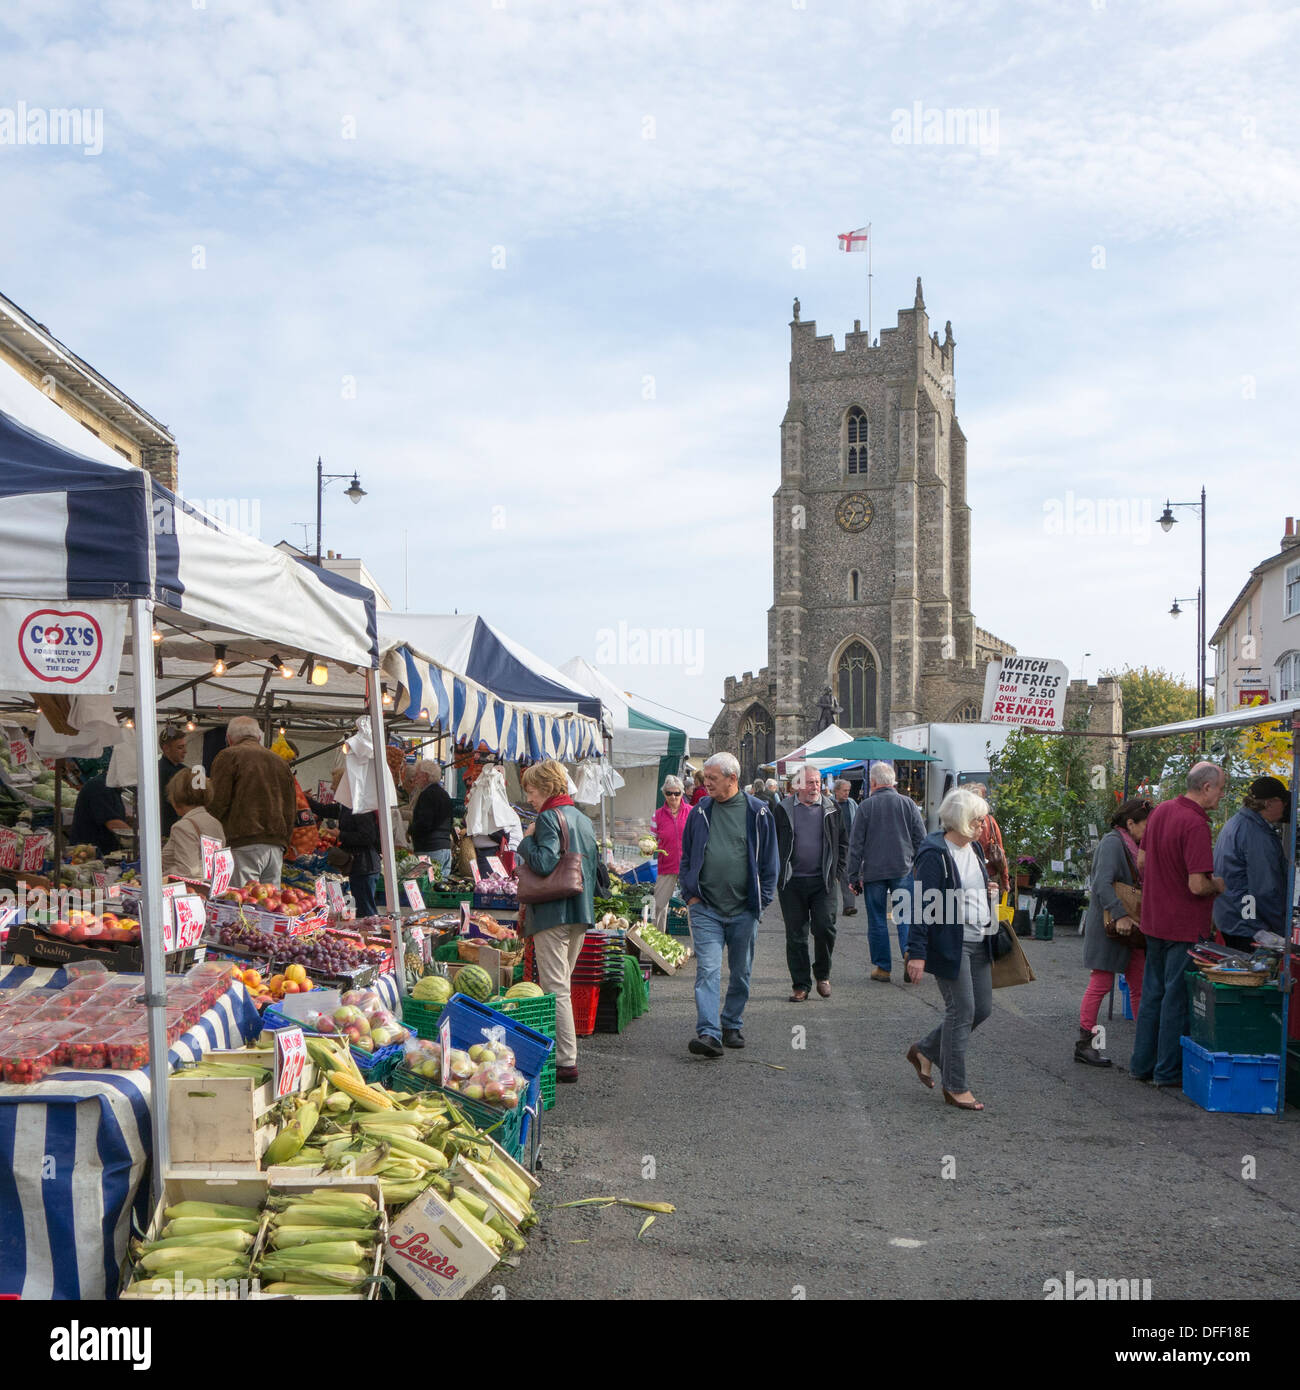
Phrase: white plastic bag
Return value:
(487, 809)
(589, 783)
(357, 789)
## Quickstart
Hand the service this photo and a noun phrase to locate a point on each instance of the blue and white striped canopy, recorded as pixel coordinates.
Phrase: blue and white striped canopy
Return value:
(482, 687)
(78, 523)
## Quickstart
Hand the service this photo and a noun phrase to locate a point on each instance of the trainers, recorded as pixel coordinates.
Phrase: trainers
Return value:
(705, 1046)
(732, 1037)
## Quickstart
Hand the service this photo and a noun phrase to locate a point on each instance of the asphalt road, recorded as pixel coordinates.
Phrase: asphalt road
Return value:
(826, 1179)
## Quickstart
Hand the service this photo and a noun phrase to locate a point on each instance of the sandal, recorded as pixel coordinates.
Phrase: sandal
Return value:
(963, 1104)
(914, 1056)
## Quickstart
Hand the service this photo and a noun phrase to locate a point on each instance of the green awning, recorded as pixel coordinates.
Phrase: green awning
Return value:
(873, 750)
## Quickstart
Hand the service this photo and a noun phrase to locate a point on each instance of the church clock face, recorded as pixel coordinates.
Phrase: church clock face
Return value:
(854, 512)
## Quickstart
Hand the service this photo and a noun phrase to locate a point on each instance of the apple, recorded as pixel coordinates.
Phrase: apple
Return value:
(291, 910)
(493, 1091)
(59, 928)
(510, 1099)
(472, 1092)
(76, 933)
(476, 1053)
(325, 1024)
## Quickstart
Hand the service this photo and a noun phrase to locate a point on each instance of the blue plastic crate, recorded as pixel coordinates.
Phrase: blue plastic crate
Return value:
(1124, 995)
(1231, 1083)
(468, 1019)
(643, 873)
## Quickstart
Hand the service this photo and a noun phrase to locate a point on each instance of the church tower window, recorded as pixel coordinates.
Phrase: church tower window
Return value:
(855, 686)
(855, 586)
(757, 741)
(856, 443)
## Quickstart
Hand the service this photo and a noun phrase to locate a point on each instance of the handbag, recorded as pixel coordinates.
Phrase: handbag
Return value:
(565, 879)
(1130, 898)
(1002, 941)
(1013, 968)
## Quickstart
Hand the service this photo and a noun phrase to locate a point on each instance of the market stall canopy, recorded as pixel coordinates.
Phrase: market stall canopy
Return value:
(639, 740)
(827, 738)
(873, 750)
(483, 687)
(1241, 717)
(78, 526)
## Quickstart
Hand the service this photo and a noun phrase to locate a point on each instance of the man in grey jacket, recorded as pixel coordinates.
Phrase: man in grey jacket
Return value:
(1249, 858)
(848, 809)
(812, 853)
(887, 832)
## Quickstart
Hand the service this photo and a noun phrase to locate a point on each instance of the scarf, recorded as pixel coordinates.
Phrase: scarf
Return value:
(1131, 845)
(564, 799)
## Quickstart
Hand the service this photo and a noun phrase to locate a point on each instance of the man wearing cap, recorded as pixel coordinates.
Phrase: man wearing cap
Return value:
(1249, 858)
(172, 742)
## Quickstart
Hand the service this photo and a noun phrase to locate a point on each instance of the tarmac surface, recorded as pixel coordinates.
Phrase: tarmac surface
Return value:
(839, 1176)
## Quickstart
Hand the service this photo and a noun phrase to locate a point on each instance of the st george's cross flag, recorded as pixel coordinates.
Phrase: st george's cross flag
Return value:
(855, 241)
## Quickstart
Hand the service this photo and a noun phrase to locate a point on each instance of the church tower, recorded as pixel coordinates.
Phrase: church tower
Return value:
(871, 547)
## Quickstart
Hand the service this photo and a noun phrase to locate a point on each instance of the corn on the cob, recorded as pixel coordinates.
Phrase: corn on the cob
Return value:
(192, 1225)
(187, 1257)
(319, 1215)
(485, 1233)
(214, 1210)
(276, 1269)
(285, 1290)
(368, 1097)
(214, 1240)
(336, 1197)
(293, 1136)
(292, 1237)
(426, 1153)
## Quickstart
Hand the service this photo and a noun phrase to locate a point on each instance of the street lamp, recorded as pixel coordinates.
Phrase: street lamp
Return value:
(354, 493)
(1166, 521)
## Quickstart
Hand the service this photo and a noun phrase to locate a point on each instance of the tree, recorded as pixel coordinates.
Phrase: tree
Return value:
(1151, 697)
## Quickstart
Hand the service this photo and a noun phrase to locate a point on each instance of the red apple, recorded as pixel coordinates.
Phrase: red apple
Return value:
(59, 928)
(77, 933)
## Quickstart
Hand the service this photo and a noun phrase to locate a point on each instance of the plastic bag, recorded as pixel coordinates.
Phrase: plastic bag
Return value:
(488, 809)
(357, 789)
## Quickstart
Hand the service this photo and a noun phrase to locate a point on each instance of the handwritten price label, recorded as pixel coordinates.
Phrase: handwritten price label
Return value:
(444, 1039)
(473, 868)
(223, 867)
(322, 897)
(34, 853)
(10, 848)
(413, 895)
(209, 847)
(497, 867)
(21, 751)
(190, 918)
(290, 1060)
(337, 902)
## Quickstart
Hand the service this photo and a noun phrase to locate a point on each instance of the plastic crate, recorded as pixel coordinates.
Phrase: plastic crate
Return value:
(1293, 1074)
(546, 1085)
(441, 898)
(468, 1018)
(421, 1017)
(643, 873)
(585, 1000)
(510, 1128)
(1233, 1018)
(494, 902)
(1234, 1084)
(538, 1013)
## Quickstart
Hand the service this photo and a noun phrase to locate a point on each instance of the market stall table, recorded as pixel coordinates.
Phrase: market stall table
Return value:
(74, 1150)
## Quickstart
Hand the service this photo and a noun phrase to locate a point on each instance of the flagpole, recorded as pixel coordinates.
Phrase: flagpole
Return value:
(869, 241)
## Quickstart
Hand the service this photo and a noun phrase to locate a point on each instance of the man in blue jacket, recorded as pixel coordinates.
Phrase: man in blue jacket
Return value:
(728, 876)
(1249, 858)
(887, 835)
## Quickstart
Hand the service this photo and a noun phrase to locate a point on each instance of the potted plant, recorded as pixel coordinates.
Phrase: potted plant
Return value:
(1028, 871)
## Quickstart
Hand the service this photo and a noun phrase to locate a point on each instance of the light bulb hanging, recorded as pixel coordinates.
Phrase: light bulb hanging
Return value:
(320, 673)
(219, 665)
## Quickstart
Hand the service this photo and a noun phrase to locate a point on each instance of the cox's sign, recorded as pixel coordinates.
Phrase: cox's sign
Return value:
(74, 646)
(58, 646)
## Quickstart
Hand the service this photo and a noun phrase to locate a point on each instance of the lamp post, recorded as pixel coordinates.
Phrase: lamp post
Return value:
(354, 493)
(1167, 519)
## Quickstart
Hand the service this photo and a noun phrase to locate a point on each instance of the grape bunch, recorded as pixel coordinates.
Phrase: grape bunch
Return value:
(327, 953)
(247, 940)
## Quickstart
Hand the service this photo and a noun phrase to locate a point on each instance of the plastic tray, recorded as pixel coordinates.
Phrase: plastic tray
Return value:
(1230, 1083)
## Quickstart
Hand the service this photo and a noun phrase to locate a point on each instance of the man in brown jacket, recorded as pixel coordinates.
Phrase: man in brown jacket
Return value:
(251, 793)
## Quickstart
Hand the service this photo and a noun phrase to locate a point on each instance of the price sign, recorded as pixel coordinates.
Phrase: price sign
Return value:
(322, 898)
(497, 867)
(168, 922)
(223, 867)
(324, 792)
(464, 919)
(413, 895)
(114, 891)
(34, 853)
(290, 1059)
(337, 902)
(190, 918)
(10, 848)
(101, 880)
(473, 868)
(209, 847)
(21, 751)
(417, 940)
(444, 1040)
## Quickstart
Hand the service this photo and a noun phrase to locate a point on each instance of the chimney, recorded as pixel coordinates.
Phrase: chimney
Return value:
(1291, 536)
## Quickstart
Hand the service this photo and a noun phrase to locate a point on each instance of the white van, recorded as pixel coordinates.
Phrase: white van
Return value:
(961, 753)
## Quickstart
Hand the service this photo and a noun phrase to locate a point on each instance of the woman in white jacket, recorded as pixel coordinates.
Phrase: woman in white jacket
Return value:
(183, 853)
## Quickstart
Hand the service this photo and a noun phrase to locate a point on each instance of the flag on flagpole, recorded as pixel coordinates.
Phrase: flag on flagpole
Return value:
(856, 240)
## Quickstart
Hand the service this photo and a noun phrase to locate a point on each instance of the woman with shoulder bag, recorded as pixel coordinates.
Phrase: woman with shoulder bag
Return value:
(560, 845)
(1112, 941)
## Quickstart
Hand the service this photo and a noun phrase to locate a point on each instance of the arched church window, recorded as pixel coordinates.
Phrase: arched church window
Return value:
(968, 712)
(855, 686)
(757, 741)
(856, 442)
(855, 586)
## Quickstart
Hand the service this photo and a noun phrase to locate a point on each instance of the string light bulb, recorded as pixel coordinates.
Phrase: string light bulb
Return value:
(219, 665)
(157, 636)
(387, 698)
(190, 726)
(130, 723)
(320, 673)
(424, 714)
(282, 669)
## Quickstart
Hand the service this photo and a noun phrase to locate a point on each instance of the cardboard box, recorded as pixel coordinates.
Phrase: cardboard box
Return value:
(372, 1188)
(648, 952)
(224, 1121)
(461, 1176)
(432, 1250)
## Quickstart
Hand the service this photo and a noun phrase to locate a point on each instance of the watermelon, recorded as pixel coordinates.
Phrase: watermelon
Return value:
(526, 990)
(433, 989)
(475, 982)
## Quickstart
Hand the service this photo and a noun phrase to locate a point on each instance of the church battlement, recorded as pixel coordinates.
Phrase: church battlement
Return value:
(810, 347)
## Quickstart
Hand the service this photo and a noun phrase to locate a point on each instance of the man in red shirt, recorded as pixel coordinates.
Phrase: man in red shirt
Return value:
(1178, 892)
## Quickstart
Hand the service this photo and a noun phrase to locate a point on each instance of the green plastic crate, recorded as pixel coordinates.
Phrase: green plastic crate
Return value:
(1233, 1018)
(508, 1132)
(538, 1013)
(547, 1084)
(438, 897)
(422, 1016)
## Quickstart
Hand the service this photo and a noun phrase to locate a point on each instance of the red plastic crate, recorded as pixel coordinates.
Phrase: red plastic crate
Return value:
(586, 1001)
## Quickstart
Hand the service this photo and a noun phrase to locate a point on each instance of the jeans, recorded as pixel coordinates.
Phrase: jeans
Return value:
(442, 857)
(876, 895)
(1162, 1020)
(805, 902)
(710, 932)
(968, 1002)
(846, 892)
(257, 864)
(363, 893)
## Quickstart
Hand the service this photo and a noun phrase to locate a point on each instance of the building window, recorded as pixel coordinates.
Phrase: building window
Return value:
(855, 584)
(757, 741)
(1288, 676)
(855, 686)
(123, 452)
(856, 443)
(967, 713)
(1291, 600)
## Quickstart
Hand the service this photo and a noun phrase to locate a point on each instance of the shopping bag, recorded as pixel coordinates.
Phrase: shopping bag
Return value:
(1013, 968)
(487, 809)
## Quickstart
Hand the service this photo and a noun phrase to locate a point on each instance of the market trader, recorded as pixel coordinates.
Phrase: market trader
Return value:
(99, 816)
(1249, 858)
(251, 792)
(172, 743)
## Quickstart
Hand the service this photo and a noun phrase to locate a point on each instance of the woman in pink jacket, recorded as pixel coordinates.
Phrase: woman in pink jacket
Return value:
(669, 822)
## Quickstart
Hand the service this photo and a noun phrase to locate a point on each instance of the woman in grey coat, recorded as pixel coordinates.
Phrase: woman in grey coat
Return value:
(1115, 861)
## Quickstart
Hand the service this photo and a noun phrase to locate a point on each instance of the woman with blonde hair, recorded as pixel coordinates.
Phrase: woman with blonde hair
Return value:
(951, 934)
(558, 928)
(669, 823)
